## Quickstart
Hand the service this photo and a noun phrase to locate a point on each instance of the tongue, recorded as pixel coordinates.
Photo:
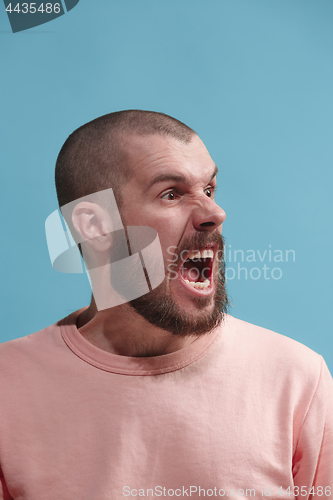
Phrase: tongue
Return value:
(191, 271)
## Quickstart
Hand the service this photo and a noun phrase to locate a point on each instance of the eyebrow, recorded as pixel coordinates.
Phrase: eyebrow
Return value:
(174, 177)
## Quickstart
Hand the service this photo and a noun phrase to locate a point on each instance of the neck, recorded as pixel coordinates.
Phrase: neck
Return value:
(121, 330)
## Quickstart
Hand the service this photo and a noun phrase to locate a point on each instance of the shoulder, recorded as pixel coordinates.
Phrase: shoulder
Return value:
(268, 342)
(18, 356)
(271, 351)
(28, 342)
(46, 338)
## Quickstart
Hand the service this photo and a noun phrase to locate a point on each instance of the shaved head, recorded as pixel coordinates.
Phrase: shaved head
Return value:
(94, 156)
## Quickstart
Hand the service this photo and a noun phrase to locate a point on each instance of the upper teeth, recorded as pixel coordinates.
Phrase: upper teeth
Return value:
(203, 254)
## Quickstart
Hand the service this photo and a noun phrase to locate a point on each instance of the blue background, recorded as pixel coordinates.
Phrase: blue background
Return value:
(252, 77)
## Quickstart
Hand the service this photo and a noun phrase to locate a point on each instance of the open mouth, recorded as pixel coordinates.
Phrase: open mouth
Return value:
(197, 269)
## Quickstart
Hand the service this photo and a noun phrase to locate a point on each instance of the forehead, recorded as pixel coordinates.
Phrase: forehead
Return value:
(155, 154)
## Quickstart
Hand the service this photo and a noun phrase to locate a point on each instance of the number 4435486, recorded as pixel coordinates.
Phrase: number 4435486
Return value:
(303, 491)
(31, 8)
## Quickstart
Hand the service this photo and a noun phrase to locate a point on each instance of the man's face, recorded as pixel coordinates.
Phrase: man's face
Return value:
(171, 189)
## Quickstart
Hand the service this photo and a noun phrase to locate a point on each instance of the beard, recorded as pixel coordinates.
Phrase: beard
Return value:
(160, 308)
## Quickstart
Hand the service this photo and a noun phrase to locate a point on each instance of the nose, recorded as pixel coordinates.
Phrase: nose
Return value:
(208, 217)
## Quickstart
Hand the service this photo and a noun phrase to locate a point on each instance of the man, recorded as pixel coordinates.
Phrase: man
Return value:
(165, 395)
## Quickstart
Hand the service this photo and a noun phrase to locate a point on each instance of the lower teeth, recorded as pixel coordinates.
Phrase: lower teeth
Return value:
(199, 285)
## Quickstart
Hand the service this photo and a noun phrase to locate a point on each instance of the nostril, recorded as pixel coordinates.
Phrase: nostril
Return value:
(206, 224)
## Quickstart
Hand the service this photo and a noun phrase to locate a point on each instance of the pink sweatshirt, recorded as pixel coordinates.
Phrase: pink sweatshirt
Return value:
(241, 412)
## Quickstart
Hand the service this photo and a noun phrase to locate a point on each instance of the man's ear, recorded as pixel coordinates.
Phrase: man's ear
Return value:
(93, 224)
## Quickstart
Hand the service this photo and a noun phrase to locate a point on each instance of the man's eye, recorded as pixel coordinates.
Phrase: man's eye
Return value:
(209, 192)
(169, 196)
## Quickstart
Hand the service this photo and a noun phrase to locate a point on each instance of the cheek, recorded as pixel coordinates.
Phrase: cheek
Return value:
(170, 236)
(169, 225)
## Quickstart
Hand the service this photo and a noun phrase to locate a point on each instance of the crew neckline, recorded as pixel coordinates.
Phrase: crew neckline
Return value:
(129, 365)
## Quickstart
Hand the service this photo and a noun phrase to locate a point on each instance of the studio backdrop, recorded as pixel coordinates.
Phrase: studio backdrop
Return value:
(252, 77)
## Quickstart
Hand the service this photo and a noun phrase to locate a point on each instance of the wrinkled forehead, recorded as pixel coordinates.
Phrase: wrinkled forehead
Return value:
(148, 155)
